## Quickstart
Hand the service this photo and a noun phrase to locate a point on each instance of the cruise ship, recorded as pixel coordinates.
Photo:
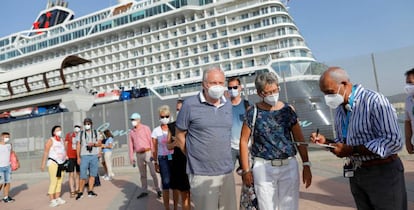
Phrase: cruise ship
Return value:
(139, 54)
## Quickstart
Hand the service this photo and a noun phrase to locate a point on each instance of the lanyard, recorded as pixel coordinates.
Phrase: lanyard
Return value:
(348, 115)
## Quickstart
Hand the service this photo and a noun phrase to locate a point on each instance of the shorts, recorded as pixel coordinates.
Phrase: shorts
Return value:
(89, 162)
(5, 174)
(73, 165)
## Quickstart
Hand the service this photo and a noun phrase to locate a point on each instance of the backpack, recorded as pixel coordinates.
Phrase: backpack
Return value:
(246, 104)
(83, 136)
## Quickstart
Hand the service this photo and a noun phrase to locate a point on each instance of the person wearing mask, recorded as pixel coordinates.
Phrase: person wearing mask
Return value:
(107, 147)
(179, 178)
(275, 171)
(54, 156)
(239, 109)
(203, 132)
(88, 148)
(73, 166)
(368, 136)
(142, 147)
(409, 111)
(162, 155)
(6, 150)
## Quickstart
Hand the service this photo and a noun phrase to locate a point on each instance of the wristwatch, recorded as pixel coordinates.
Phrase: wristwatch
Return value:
(307, 163)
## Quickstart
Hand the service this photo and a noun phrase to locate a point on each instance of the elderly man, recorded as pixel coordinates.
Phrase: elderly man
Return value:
(204, 134)
(141, 146)
(368, 135)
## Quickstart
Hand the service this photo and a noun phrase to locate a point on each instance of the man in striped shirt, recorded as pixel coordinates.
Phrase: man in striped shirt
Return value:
(367, 133)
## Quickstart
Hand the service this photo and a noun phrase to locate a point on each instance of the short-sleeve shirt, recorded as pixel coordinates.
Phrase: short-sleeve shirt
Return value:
(5, 150)
(208, 135)
(108, 141)
(239, 111)
(162, 138)
(272, 132)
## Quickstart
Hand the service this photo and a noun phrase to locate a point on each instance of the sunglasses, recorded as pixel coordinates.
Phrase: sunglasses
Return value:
(233, 87)
(168, 116)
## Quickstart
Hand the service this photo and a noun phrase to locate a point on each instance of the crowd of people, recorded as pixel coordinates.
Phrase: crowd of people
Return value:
(217, 130)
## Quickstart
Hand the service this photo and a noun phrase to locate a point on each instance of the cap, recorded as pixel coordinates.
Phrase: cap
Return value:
(89, 120)
(135, 116)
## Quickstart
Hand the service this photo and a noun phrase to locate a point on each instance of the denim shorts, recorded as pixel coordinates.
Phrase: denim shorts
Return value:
(165, 171)
(5, 174)
(89, 162)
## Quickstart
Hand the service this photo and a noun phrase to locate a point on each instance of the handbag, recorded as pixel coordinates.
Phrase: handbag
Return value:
(13, 161)
(248, 199)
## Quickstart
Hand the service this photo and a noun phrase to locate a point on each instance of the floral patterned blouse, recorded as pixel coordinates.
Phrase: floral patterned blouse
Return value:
(272, 132)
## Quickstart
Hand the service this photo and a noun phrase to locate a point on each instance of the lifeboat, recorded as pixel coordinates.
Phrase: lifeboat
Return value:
(106, 97)
(22, 112)
(5, 115)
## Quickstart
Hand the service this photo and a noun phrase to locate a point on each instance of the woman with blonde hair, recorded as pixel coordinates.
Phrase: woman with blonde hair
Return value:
(162, 155)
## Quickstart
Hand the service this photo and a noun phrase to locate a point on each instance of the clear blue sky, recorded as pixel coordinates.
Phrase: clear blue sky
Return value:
(333, 29)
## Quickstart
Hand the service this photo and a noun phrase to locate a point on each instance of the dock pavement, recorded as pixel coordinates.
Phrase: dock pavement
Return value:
(329, 190)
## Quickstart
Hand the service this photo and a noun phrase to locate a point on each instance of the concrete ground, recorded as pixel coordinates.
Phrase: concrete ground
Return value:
(329, 190)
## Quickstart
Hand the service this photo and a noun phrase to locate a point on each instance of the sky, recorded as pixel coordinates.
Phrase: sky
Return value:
(339, 33)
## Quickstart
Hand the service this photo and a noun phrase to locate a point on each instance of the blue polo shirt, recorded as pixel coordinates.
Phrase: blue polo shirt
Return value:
(208, 135)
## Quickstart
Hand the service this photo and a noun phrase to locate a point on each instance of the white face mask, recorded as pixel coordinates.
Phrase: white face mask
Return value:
(6, 140)
(134, 123)
(334, 100)
(272, 99)
(216, 91)
(164, 121)
(76, 129)
(234, 93)
(87, 127)
(58, 133)
(409, 89)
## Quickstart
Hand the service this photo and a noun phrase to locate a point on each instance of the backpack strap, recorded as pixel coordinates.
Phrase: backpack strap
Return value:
(246, 104)
(253, 122)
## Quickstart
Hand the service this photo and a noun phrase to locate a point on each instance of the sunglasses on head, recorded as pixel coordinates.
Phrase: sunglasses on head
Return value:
(232, 87)
(168, 116)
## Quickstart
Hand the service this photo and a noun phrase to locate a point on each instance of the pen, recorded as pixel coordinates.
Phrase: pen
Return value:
(317, 132)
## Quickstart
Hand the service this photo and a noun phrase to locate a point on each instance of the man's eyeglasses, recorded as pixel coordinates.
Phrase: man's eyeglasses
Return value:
(168, 116)
(232, 87)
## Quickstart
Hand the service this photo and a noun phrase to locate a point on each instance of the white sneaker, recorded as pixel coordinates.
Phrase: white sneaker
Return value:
(53, 203)
(60, 201)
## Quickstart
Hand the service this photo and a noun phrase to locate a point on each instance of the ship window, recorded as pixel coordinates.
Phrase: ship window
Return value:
(196, 62)
(215, 46)
(236, 41)
(266, 22)
(203, 26)
(239, 65)
(263, 48)
(205, 59)
(264, 10)
(187, 74)
(245, 16)
(203, 37)
(248, 51)
(256, 13)
(212, 24)
(216, 57)
(247, 39)
(227, 67)
(184, 42)
(222, 21)
(195, 50)
(226, 55)
(250, 63)
(214, 35)
(238, 53)
(256, 25)
(204, 48)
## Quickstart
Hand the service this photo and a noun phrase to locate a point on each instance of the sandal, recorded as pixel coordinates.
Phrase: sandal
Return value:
(72, 194)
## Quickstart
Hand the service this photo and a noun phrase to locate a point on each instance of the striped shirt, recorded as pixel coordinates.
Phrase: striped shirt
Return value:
(372, 123)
